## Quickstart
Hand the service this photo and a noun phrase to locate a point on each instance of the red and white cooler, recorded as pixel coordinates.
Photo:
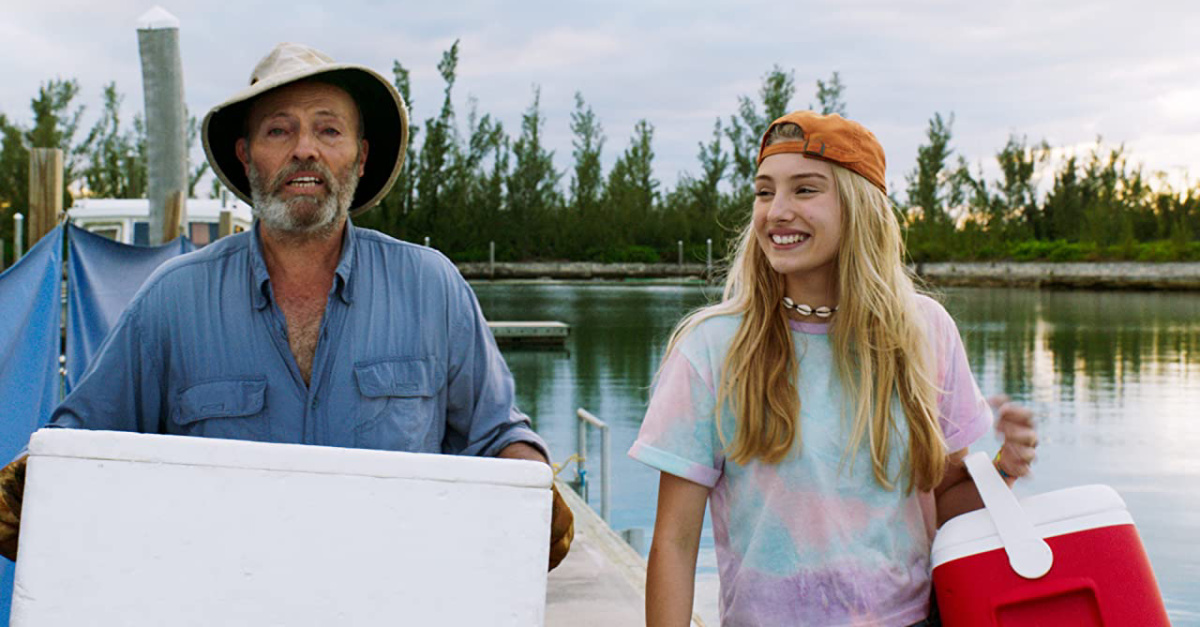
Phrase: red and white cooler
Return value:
(1069, 557)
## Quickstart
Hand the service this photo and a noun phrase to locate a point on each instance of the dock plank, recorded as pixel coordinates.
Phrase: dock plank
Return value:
(543, 333)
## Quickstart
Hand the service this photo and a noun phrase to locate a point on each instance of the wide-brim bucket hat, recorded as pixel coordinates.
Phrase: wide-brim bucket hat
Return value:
(385, 119)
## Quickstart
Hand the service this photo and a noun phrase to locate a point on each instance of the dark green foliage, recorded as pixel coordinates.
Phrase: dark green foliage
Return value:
(55, 123)
(632, 190)
(587, 189)
(587, 184)
(390, 216)
(532, 188)
(437, 154)
(928, 182)
(1098, 209)
(117, 163)
(746, 128)
(14, 183)
(829, 96)
(696, 209)
(933, 191)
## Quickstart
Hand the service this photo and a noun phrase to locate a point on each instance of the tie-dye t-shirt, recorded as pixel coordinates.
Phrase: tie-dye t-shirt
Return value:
(812, 540)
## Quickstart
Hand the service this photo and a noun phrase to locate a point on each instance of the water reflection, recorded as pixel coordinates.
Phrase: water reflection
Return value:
(1114, 378)
(1110, 339)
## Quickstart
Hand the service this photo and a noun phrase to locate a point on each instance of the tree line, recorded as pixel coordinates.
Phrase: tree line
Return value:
(1099, 206)
(468, 181)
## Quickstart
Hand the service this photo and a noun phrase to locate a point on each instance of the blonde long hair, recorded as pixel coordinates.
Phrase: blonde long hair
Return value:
(878, 339)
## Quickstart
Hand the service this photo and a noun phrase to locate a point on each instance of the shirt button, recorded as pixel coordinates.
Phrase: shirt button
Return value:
(314, 403)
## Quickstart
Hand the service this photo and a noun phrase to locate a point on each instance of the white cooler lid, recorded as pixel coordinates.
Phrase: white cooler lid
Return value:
(214, 452)
(1052, 514)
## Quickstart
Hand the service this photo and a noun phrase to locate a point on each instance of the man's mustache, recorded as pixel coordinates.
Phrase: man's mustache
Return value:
(277, 182)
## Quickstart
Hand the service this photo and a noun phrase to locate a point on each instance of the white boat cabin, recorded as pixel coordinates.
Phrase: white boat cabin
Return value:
(127, 219)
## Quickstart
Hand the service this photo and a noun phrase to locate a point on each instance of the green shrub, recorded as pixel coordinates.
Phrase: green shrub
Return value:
(636, 254)
(1031, 250)
(470, 255)
(1066, 251)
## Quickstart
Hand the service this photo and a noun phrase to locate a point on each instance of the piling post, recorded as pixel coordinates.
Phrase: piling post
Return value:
(45, 191)
(708, 263)
(426, 241)
(166, 116)
(492, 259)
(225, 223)
(18, 236)
(680, 243)
(173, 217)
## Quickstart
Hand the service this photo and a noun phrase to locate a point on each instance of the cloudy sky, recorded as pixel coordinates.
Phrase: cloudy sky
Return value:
(1064, 71)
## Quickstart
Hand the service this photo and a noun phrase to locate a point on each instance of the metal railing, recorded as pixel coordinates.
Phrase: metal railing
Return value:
(586, 420)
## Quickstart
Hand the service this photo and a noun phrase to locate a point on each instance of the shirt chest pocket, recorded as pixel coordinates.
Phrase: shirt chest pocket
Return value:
(226, 408)
(398, 405)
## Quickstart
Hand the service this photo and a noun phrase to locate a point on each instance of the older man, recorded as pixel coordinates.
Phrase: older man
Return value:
(306, 329)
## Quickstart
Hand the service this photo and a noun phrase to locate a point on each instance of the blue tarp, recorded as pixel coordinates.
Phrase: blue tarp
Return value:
(30, 314)
(102, 276)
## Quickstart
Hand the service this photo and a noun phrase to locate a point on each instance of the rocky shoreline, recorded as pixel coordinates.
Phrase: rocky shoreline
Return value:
(1082, 275)
(581, 270)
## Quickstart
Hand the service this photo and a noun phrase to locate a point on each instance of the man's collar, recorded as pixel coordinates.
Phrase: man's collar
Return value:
(343, 286)
(258, 269)
(346, 264)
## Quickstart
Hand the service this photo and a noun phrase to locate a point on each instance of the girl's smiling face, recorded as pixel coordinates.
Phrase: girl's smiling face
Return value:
(798, 218)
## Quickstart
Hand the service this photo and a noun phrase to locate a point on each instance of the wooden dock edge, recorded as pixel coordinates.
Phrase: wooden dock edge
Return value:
(628, 561)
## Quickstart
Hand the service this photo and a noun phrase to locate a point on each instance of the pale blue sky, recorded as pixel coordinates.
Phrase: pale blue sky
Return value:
(1066, 72)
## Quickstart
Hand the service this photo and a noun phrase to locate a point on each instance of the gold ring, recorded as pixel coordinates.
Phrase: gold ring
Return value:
(996, 463)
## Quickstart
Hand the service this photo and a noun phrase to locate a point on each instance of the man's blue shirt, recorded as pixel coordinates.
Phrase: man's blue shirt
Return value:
(405, 360)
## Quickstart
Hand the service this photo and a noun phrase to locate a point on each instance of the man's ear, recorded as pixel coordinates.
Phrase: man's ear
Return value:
(242, 153)
(362, 158)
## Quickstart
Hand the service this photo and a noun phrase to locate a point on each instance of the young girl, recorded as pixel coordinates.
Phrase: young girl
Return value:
(823, 405)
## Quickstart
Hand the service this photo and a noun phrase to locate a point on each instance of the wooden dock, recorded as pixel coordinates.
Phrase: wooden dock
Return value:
(547, 334)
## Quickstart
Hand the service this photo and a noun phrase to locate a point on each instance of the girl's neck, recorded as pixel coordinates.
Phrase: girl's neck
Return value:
(813, 288)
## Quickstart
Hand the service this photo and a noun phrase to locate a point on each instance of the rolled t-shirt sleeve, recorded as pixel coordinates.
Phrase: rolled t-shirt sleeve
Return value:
(679, 435)
(963, 411)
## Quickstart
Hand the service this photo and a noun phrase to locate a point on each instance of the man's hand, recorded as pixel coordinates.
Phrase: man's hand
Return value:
(562, 529)
(12, 493)
(562, 521)
(1017, 452)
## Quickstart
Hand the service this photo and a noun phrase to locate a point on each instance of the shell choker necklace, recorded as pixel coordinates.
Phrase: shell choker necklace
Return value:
(806, 310)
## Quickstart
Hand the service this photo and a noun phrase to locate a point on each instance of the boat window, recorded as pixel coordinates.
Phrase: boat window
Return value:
(111, 231)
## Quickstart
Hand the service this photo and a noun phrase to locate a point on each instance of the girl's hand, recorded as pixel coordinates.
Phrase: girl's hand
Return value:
(1015, 424)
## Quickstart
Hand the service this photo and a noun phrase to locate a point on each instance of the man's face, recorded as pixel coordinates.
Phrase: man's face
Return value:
(303, 157)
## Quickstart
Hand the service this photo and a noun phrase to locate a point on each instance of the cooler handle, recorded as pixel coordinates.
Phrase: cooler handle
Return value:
(1028, 553)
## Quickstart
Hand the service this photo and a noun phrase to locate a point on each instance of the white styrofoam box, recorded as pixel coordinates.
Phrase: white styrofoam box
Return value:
(131, 530)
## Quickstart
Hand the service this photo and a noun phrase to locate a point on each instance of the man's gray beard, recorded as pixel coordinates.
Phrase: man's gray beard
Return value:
(276, 214)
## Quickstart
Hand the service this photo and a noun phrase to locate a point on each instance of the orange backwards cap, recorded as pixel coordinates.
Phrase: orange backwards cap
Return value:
(834, 139)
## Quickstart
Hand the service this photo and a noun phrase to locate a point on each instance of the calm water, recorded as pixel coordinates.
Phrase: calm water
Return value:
(1113, 376)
